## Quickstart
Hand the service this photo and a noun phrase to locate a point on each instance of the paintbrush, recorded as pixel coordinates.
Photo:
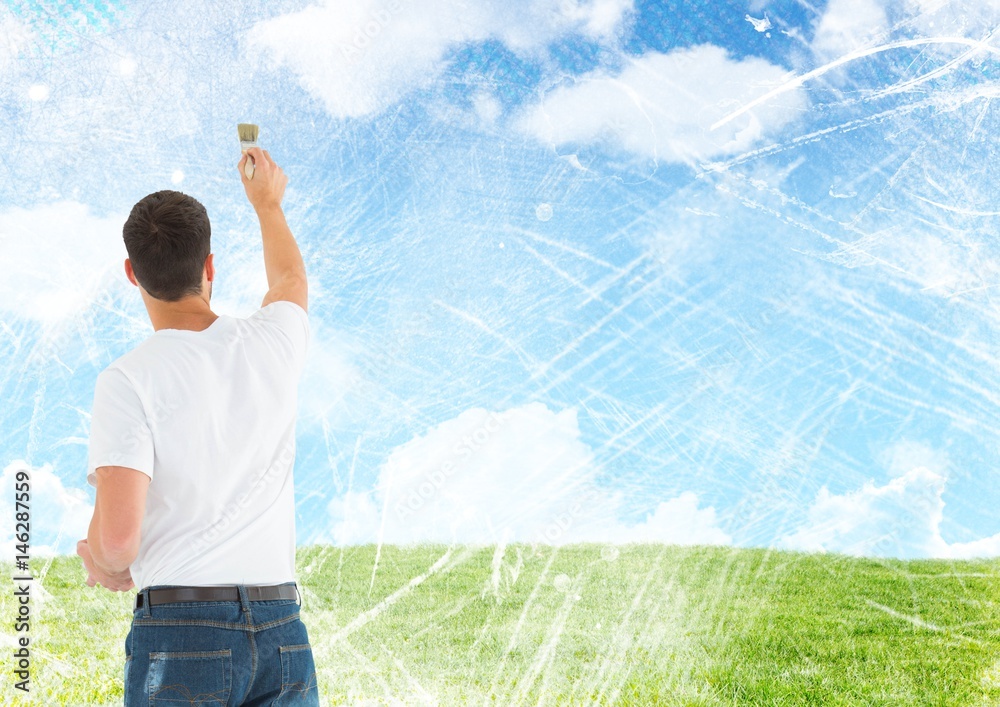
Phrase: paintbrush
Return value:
(248, 138)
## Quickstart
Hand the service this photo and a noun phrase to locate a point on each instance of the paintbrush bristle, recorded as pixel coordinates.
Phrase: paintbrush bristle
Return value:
(248, 132)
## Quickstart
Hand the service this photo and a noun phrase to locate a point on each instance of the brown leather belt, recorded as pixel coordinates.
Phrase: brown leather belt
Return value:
(182, 594)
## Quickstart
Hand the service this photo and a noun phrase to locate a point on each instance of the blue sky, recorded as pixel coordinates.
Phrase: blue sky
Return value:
(778, 332)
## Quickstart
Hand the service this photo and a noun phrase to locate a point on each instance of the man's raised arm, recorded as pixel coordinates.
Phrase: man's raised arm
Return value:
(286, 272)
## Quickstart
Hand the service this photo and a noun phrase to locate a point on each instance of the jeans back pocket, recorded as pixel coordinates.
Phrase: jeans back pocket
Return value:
(194, 678)
(298, 676)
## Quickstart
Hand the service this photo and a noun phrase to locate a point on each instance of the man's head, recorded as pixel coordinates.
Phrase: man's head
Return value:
(168, 239)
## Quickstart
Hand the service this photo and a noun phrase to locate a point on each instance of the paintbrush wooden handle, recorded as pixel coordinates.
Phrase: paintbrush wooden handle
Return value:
(248, 167)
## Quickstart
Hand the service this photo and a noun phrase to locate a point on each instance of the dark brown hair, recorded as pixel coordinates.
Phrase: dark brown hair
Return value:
(168, 237)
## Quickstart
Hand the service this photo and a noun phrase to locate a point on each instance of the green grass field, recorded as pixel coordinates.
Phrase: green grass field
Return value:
(582, 625)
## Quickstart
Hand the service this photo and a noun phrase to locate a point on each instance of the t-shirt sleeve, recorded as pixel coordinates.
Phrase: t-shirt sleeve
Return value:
(293, 324)
(119, 432)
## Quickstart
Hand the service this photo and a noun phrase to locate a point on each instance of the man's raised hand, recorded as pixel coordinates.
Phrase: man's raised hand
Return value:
(267, 187)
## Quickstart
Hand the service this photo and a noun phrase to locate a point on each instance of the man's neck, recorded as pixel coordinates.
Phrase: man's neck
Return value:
(191, 313)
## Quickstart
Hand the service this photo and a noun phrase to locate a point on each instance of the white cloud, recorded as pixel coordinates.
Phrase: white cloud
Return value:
(662, 106)
(900, 519)
(14, 37)
(599, 18)
(358, 58)
(901, 457)
(59, 515)
(328, 376)
(847, 25)
(931, 261)
(355, 518)
(939, 266)
(487, 108)
(523, 475)
(939, 18)
(677, 520)
(55, 257)
(984, 547)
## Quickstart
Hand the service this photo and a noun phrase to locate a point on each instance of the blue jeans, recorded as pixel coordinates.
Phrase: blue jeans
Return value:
(219, 653)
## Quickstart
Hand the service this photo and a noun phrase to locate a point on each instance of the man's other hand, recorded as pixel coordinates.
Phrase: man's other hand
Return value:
(267, 187)
(119, 582)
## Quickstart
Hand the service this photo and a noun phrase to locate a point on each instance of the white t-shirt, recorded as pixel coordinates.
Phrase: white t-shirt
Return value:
(209, 416)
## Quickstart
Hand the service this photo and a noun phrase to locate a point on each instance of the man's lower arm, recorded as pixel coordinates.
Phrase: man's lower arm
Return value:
(282, 258)
(106, 560)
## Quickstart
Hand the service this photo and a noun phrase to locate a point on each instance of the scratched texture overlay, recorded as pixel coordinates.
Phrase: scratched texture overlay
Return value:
(651, 293)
